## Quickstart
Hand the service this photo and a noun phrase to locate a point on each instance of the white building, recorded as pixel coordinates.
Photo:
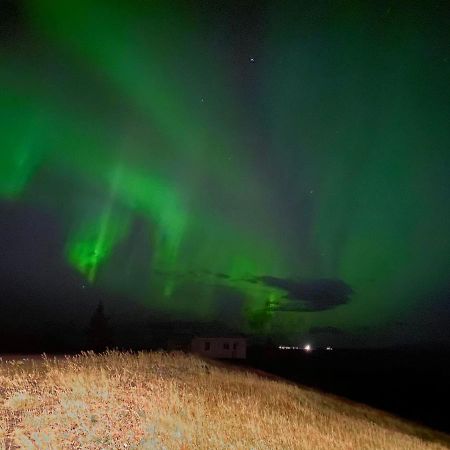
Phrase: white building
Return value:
(234, 347)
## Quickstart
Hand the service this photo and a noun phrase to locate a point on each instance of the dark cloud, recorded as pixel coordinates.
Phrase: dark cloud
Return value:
(224, 276)
(313, 295)
(326, 330)
(35, 280)
(176, 274)
(229, 305)
(199, 274)
(220, 275)
(253, 280)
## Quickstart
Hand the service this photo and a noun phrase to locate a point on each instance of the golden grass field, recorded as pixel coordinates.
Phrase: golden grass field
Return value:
(177, 401)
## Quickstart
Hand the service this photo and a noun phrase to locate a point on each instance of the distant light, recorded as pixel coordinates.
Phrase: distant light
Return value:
(307, 348)
(252, 60)
(329, 348)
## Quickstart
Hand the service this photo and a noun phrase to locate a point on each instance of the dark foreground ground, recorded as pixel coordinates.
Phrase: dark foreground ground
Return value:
(411, 384)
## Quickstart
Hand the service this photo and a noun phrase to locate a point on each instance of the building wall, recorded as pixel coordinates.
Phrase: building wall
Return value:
(232, 348)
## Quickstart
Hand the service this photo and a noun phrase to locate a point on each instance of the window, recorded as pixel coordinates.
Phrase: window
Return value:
(235, 345)
(226, 345)
(207, 346)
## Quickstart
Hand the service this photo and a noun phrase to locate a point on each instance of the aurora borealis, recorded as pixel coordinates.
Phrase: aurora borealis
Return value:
(283, 167)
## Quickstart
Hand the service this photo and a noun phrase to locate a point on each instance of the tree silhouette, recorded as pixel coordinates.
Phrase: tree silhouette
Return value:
(99, 335)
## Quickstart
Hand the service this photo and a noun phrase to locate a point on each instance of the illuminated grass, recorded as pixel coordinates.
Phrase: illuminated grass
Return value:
(176, 401)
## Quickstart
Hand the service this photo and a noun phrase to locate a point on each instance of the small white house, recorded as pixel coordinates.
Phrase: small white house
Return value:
(220, 347)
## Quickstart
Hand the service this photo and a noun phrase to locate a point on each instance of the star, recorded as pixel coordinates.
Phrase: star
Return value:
(252, 60)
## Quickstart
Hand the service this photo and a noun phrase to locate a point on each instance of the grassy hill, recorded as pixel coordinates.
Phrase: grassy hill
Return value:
(176, 401)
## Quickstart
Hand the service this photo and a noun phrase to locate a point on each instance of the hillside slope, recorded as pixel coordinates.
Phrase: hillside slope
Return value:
(176, 401)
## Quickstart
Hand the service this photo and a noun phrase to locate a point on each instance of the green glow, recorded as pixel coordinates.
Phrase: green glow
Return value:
(21, 147)
(330, 160)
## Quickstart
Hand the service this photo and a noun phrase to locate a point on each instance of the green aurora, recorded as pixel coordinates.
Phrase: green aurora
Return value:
(193, 160)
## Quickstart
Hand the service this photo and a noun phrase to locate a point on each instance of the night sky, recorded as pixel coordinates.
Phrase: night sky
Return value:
(282, 167)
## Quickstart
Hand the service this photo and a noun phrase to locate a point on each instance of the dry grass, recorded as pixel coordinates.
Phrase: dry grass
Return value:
(175, 401)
